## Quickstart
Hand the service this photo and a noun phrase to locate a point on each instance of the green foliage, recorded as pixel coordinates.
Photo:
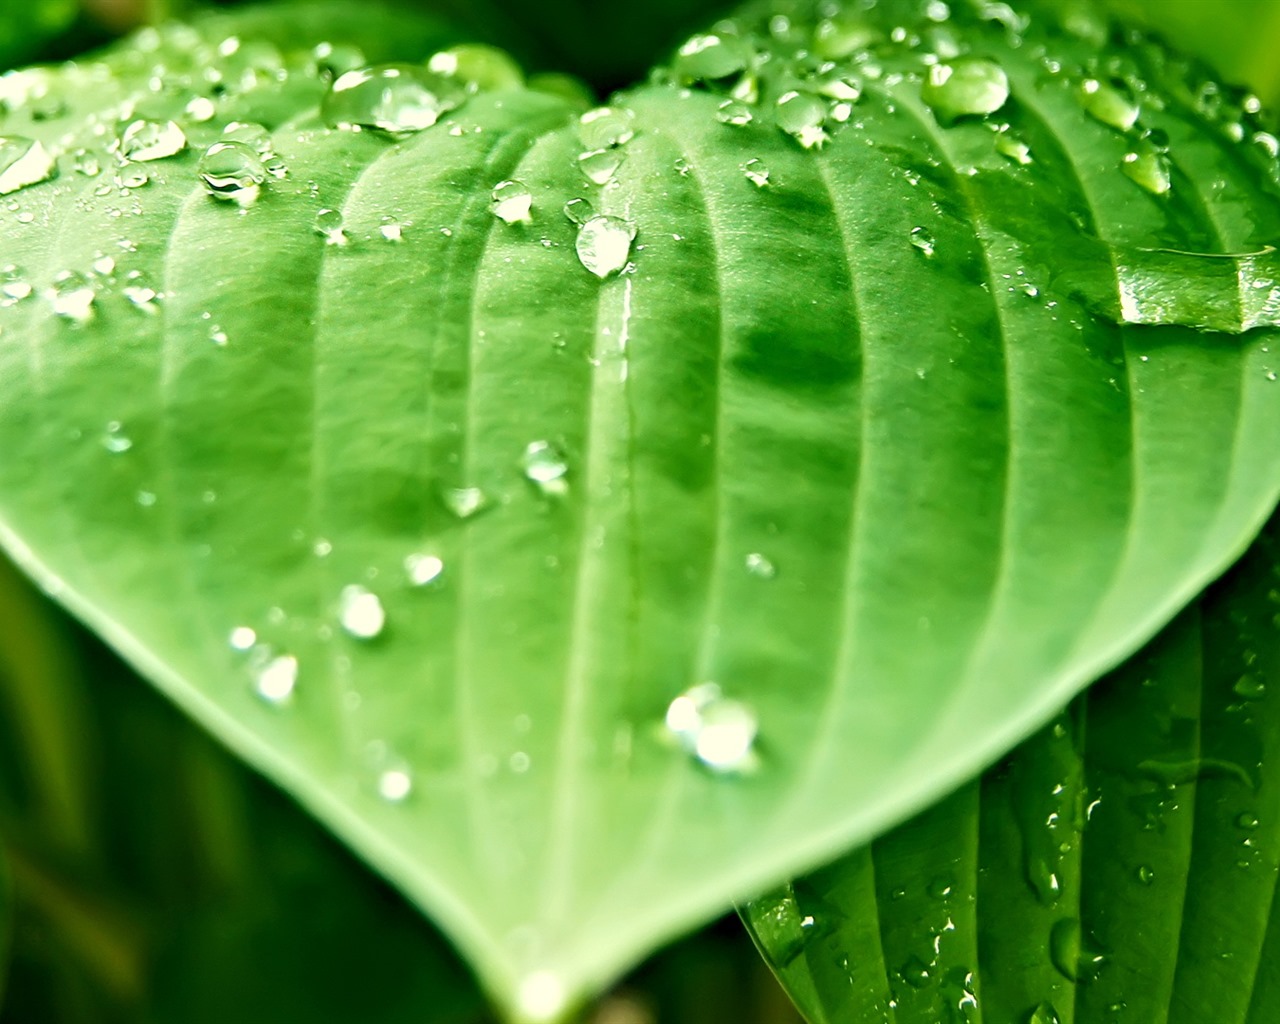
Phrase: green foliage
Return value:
(868, 407)
(25, 25)
(1119, 865)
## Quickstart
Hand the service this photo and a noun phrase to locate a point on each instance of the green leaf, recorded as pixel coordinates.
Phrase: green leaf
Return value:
(25, 26)
(1119, 865)
(856, 436)
(6, 922)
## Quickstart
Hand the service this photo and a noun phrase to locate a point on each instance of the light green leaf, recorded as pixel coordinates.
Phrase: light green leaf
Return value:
(1120, 865)
(855, 435)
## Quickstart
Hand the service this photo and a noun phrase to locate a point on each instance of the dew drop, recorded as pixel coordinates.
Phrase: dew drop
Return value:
(395, 785)
(604, 245)
(544, 466)
(1110, 103)
(579, 211)
(760, 566)
(14, 286)
(391, 230)
(144, 141)
(1247, 821)
(422, 568)
(1044, 1013)
(600, 165)
(802, 115)
(915, 972)
(478, 67)
(970, 87)
(1145, 874)
(1013, 148)
(398, 99)
(718, 731)
(731, 112)
(923, 240)
(512, 202)
(1250, 687)
(541, 997)
(756, 172)
(115, 440)
(232, 171)
(606, 127)
(1069, 954)
(1148, 167)
(361, 612)
(217, 335)
(329, 225)
(73, 296)
(242, 638)
(23, 162)
(711, 58)
(276, 679)
(464, 502)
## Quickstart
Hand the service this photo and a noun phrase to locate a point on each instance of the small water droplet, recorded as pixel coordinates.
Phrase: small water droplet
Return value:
(512, 202)
(232, 171)
(361, 612)
(600, 165)
(1250, 687)
(23, 162)
(760, 566)
(14, 286)
(606, 127)
(579, 211)
(604, 245)
(1111, 103)
(1012, 147)
(144, 141)
(394, 98)
(545, 466)
(711, 58)
(1145, 874)
(277, 679)
(756, 172)
(1044, 1013)
(464, 502)
(217, 335)
(1148, 167)
(731, 112)
(395, 785)
(541, 997)
(915, 972)
(969, 87)
(1247, 821)
(923, 240)
(329, 225)
(718, 731)
(391, 230)
(1069, 953)
(802, 115)
(243, 638)
(73, 296)
(423, 569)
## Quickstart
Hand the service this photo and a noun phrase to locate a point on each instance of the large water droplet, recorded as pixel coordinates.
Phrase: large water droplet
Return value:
(72, 296)
(600, 165)
(144, 141)
(970, 87)
(802, 115)
(478, 67)
(23, 162)
(232, 171)
(361, 612)
(276, 680)
(394, 98)
(606, 127)
(604, 245)
(711, 58)
(1110, 103)
(718, 731)
(512, 202)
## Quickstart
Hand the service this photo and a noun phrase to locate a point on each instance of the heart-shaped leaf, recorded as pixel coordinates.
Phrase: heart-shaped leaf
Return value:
(887, 391)
(1121, 865)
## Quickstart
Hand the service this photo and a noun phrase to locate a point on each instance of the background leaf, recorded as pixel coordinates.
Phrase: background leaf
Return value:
(25, 26)
(864, 445)
(1120, 865)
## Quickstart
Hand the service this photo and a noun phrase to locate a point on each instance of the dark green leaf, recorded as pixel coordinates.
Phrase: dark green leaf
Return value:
(6, 922)
(863, 443)
(1121, 865)
(26, 24)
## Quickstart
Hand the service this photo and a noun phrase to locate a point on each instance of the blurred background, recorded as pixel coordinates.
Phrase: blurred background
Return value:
(156, 881)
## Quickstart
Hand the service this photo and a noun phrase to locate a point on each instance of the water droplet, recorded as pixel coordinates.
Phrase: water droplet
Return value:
(718, 731)
(1044, 1013)
(970, 87)
(464, 502)
(217, 335)
(760, 566)
(394, 98)
(775, 919)
(923, 240)
(1148, 167)
(711, 58)
(541, 997)
(391, 230)
(1012, 147)
(243, 638)
(23, 162)
(579, 211)
(802, 115)
(843, 34)
(277, 678)
(915, 972)
(606, 127)
(73, 296)
(1145, 874)
(114, 439)
(1250, 687)
(1069, 953)
(1247, 821)
(232, 171)
(512, 202)
(144, 141)
(329, 226)
(544, 466)
(1111, 103)
(423, 569)
(732, 112)
(360, 612)
(141, 296)
(604, 245)
(756, 172)
(520, 762)
(395, 785)
(200, 109)
(479, 67)
(104, 266)
(600, 165)
(14, 286)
